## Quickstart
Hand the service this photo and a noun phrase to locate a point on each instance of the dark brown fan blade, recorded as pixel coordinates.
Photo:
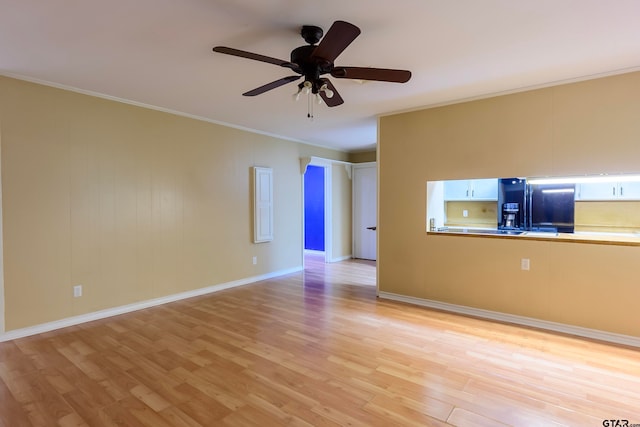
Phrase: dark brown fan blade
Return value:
(336, 99)
(272, 85)
(255, 57)
(339, 36)
(364, 73)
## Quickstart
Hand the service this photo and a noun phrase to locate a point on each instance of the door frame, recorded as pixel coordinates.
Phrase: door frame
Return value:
(325, 164)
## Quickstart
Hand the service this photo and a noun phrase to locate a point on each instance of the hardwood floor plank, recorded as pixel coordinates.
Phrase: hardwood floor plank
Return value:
(86, 385)
(202, 408)
(178, 418)
(73, 420)
(150, 398)
(407, 411)
(212, 385)
(11, 411)
(145, 413)
(57, 380)
(85, 410)
(462, 418)
(315, 348)
(118, 415)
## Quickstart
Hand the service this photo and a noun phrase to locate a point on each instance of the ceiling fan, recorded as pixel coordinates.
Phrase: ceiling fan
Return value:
(313, 61)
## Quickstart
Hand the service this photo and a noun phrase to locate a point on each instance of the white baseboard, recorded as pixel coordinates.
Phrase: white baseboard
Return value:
(101, 314)
(518, 320)
(321, 253)
(313, 252)
(341, 258)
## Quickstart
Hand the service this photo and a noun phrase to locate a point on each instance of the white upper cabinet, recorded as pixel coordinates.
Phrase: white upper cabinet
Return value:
(457, 189)
(471, 189)
(630, 190)
(485, 189)
(608, 191)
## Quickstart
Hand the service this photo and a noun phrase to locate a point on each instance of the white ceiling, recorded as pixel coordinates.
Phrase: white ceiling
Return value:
(158, 53)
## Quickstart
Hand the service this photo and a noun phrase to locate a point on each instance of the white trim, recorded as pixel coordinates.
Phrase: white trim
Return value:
(313, 252)
(328, 212)
(364, 165)
(321, 161)
(96, 315)
(326, 165)
(341, 258)
(518, 320)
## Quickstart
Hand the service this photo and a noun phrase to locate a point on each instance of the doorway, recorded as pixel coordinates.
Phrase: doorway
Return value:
(314, 209)
(316, 201)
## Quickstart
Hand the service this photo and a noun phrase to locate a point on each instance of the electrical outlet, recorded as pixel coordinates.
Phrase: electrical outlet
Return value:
(255, 260)
(77, 291)
(465, 213)
(525, 264)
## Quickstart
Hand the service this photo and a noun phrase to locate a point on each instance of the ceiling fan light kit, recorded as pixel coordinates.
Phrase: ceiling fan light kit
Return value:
(313, 61)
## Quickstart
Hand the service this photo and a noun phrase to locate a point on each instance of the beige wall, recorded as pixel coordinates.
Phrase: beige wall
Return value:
(341, 215)
(2, 328)
(323, 153)
(362, 156)
(581, 128)
(131, 203)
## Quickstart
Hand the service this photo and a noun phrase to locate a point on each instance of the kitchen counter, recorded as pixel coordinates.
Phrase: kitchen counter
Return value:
(599, 238)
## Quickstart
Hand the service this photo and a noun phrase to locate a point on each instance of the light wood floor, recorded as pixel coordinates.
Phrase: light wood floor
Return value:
(311, 349)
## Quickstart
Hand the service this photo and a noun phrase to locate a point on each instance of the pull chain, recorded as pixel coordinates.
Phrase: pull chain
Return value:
(310, 107)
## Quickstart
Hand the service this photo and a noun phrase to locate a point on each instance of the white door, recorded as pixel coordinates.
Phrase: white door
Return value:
(365, 198)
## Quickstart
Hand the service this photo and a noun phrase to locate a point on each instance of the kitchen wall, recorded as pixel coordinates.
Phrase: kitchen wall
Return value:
(587, 127)
(134, 204)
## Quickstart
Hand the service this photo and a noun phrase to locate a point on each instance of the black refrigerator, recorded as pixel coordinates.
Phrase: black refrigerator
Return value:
(551, 207)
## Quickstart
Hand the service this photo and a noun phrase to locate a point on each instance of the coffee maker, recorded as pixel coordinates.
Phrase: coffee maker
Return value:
(512, 204)
(510, 215)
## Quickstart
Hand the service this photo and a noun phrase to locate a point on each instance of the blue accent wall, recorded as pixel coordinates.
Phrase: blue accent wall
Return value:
(314, 208)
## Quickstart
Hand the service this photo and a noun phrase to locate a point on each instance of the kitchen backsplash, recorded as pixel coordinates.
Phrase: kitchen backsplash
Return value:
(480, 214)
(605, 216)
(608, 216)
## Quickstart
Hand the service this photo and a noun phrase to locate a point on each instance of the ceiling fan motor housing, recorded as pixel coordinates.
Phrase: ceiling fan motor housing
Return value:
(311, 67)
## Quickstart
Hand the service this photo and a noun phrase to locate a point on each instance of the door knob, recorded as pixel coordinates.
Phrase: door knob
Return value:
(372, 228)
